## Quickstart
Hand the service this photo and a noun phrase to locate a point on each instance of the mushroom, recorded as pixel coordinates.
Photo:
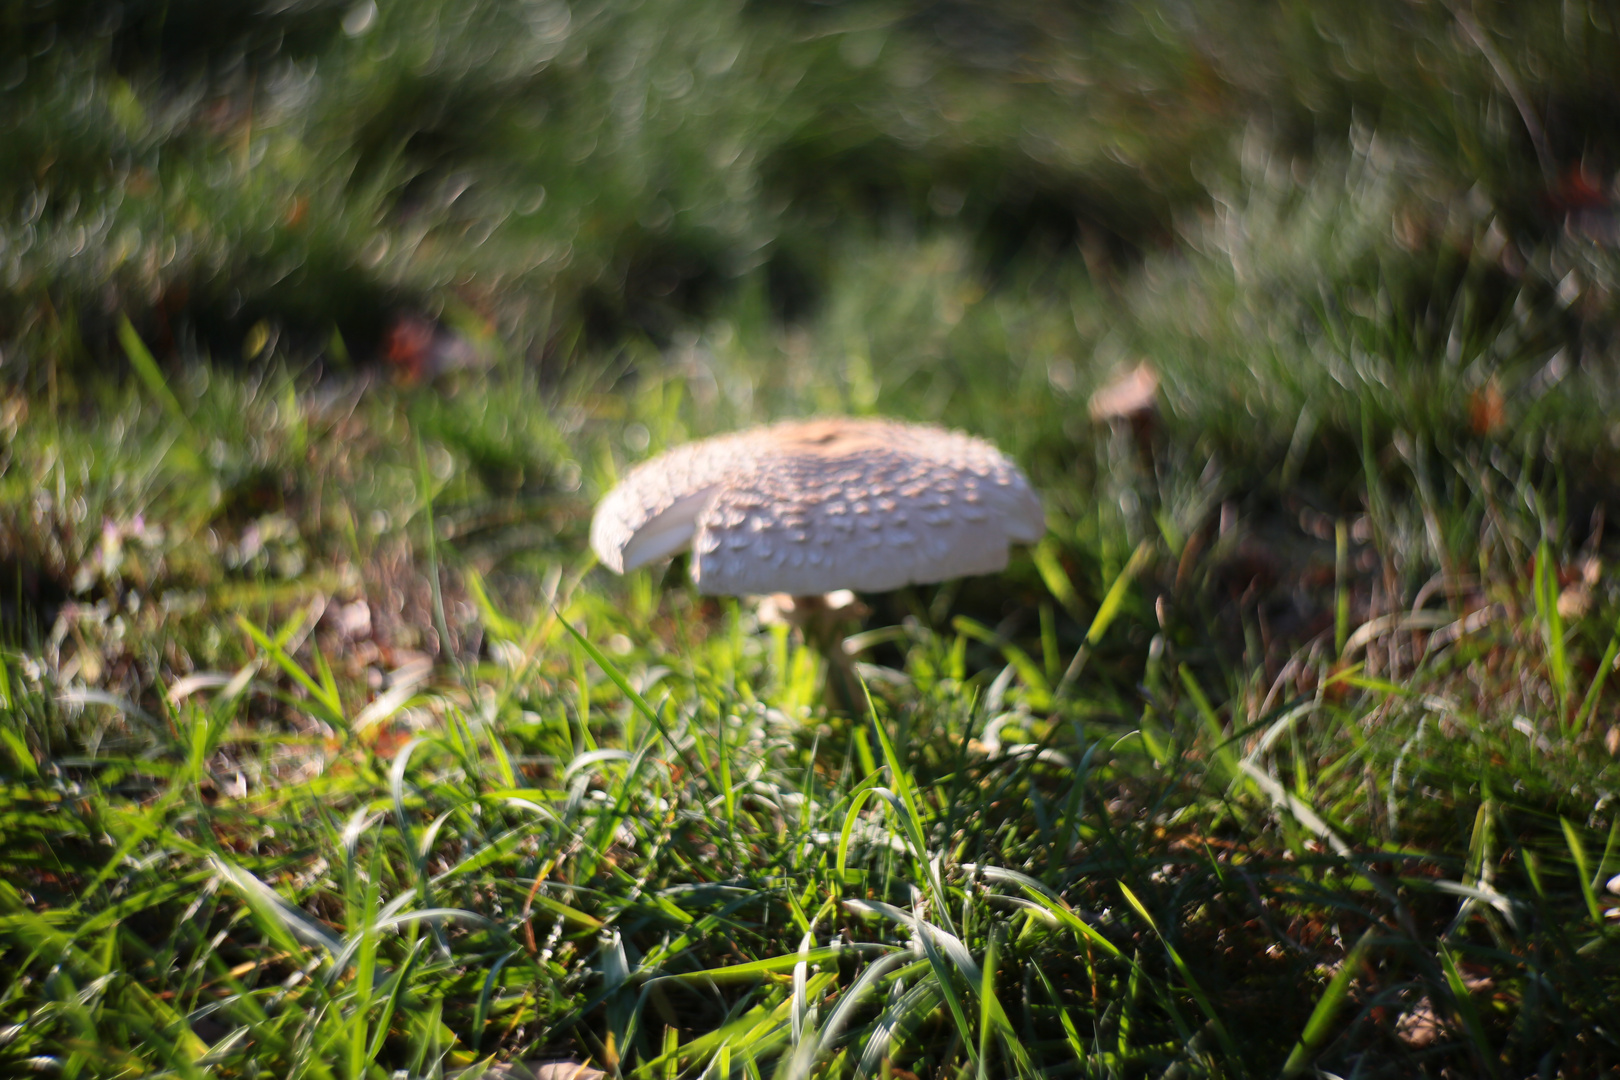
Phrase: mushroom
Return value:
(1129, 396)
(1129, 405)
(814, 506)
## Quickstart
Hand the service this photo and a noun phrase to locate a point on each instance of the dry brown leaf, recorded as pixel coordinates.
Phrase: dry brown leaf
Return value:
(1487, 409)
(1420, 1026)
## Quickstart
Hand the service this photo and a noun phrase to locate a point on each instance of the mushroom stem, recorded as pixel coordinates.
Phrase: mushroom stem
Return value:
(824, 623)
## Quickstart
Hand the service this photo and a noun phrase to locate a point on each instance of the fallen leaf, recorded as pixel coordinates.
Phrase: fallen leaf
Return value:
(1487, 409)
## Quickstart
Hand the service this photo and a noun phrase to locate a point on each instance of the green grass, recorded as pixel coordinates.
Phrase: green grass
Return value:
(327, 750)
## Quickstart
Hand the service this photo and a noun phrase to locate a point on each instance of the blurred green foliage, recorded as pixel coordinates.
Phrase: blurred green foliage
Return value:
(623, 169)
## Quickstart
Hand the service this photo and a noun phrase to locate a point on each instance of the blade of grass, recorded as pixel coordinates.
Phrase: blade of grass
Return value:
(1056, 578)
(1577, 851)
(1321, 1023)
(1545, 590)
(1595, 691)
(1040, 693)
(987, 1006)
(1467, 1013)
(611, 670)
(1193, 988)
(424, 477)
(911, 815)
(323, 694)
(146, 367)
(1113, 600)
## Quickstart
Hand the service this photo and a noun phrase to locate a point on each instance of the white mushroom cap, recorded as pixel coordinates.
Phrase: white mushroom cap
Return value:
(807, 507)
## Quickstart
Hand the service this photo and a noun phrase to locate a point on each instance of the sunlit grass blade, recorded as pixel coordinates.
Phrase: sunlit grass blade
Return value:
(910, 814)
(284, 924)
(323, 693)
(1595, 692)
(1052, 903)
(912, 1008)
(1463, 1002)
(611, 670)
(1056, 579)
(1319, 1028)
(1577, 852)
(145, 365)
(1112, 603)
(1545, 590)
(1030, 673)
(1197, 992)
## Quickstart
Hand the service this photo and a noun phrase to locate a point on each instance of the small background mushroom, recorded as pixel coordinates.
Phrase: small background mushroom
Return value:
(1129, 404)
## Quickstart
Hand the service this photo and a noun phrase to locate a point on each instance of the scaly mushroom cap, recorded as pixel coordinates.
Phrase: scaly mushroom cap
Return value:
(806, 507)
